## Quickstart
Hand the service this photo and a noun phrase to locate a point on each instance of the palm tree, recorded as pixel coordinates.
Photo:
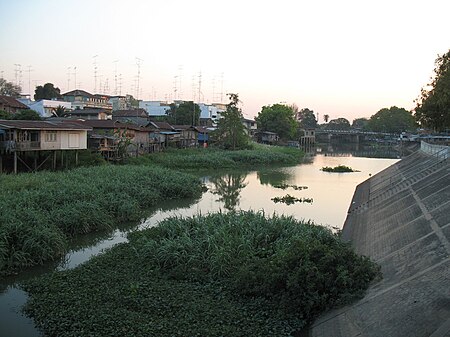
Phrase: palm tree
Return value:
(59, 111)
(326, 118)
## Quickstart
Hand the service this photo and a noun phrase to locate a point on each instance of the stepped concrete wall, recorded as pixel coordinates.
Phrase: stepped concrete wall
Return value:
(401, 219)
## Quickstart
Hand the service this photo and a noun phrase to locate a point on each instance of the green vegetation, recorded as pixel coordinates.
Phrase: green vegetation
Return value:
(278, 118)
(231, 134)
(339, 169)
(40, 212)
(235, 274)
(289, 200)
(433, 105)
(393, 120)
(295, 187)
(200, 158)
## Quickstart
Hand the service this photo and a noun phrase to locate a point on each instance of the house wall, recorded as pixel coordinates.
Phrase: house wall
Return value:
(73, 140)
(45, 107)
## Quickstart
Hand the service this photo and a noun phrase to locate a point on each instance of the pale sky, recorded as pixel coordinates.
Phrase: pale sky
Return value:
(343, 58)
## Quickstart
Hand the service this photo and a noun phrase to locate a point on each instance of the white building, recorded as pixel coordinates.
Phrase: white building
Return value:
(155, 108)
(46, 107)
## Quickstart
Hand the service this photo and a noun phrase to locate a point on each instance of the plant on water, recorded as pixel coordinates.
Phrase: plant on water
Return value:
(40, 212)
(295, 187)
(234, 274)
(289, 200)
(339, 169)
(200, 158)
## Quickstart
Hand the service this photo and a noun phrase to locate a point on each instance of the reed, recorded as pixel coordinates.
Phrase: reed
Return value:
(80, 201)
(234, 274)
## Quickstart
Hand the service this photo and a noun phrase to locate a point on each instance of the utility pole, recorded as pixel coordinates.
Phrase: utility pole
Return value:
(68, 78)
(95, 73)
(138, 63)
(75, 76)
(29, 80)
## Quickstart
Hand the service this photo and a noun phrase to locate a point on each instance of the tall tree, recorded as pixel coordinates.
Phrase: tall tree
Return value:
(48, 91)
(326, 118)
(360, 123)
(392, 120)
(230, 133)
(278, 118)
(339, 124)
(307, 119)
(9, 88)
(186, 113)
(433, 105)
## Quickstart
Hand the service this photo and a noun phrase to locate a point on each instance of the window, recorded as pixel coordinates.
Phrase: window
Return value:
(50, 136)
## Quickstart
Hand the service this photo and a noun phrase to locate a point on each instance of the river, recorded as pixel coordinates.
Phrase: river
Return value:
(327, 197)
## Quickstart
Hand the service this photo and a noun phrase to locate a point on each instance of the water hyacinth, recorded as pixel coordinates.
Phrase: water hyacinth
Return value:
(51, 207)
(233, 274)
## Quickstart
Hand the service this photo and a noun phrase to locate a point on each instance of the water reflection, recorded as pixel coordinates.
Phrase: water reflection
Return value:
(274, 177)
(229, 187)
(373, 150)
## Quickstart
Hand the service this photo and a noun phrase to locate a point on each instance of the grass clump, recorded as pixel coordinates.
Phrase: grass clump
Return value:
(40, 212)
(205, 158)
(339, 169)
(234, 274)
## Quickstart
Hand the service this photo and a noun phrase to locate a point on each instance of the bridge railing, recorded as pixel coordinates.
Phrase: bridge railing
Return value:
(441, 152)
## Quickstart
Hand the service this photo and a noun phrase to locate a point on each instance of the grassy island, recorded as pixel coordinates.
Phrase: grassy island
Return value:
(235, 274)
(339, 169)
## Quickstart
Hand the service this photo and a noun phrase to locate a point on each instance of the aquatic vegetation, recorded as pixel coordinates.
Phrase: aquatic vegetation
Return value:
(234, 274)
(289, 200)
(40, 212)
(295, 187)
(339, 169)
(200, 158)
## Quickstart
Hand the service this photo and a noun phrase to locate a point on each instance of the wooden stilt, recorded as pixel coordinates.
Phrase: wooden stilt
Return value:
(54, 160)
(1, 164)
(15, 162)
(76, 158)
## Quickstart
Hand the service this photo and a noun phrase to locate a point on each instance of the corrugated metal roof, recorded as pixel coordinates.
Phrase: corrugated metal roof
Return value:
(42, 125)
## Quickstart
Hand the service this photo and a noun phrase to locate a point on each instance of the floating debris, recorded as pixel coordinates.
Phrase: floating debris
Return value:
(295, 187)
(289, 200)
(339, 169)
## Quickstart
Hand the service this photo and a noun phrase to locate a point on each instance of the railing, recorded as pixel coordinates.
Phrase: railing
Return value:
(24, 146)
(439, 151)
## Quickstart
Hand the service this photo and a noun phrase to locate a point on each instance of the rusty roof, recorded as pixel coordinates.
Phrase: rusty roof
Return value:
(130, 113)
(12, 102)
(42, 125)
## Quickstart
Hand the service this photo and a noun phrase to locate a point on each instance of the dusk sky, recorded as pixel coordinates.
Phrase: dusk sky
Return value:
(342, 58)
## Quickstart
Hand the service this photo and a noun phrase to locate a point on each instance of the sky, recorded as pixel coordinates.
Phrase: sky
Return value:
(342, 58)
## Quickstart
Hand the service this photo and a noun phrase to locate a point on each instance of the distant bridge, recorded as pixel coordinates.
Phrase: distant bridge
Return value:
(354, 135)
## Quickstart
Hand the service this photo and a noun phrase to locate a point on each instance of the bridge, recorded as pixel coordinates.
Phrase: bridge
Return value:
(354, 135)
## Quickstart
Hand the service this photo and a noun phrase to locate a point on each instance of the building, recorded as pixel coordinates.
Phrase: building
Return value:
(81, 99)
(155, 108)
(19, 138)
(211, 113)
(121, 102)
(135, 116)
(47, 107)
(250, 126)
(88, 113)
(11, 105)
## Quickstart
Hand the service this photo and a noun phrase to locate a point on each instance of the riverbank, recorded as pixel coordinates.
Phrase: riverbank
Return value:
(41, 212)
(399, 218)
(223, 274)
(44, 210)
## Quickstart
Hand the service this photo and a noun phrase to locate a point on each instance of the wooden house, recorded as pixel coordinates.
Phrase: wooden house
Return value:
(188, 135)
(266, 137)
(19, 137)
(164, 133)
(11, 105)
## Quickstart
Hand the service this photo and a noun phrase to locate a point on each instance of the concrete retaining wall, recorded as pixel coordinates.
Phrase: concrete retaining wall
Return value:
(401, 219)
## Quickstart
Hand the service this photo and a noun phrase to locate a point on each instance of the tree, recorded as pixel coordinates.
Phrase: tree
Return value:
(392, 120)
(230, 133)
(326, 118)
(339, 124)
(59, 111)
(277, 118)
(9, 88)
(5, 115)
(433, 105)
(48, 91)
(28, 115)
(360, 123)
(186, 113)
(307, 119)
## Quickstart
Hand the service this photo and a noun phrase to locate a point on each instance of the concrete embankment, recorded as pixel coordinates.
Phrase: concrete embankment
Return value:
(401, 219)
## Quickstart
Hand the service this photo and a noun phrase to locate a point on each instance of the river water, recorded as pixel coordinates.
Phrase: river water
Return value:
(327, 197)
